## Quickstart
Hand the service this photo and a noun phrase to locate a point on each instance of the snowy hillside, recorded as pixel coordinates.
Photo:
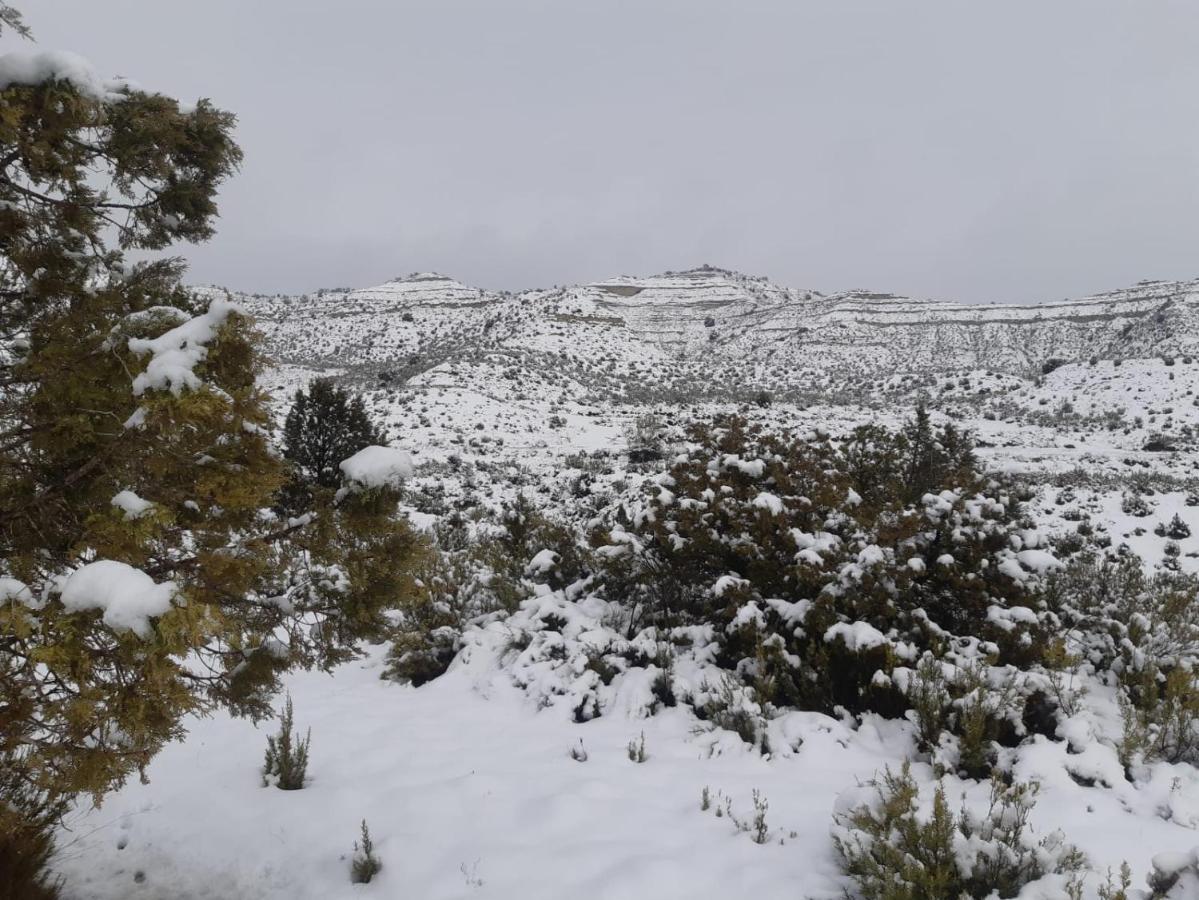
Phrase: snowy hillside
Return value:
(691, 330)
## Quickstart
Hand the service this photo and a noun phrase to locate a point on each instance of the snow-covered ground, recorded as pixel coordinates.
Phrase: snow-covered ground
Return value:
(470, 791)
(468, 783)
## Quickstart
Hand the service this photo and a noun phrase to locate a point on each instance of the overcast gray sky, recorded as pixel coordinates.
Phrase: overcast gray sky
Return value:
(1015, 150)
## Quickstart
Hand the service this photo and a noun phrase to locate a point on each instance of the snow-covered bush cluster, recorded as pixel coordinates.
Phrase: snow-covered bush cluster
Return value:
(758, 578)
(761, 573)
(896, 846)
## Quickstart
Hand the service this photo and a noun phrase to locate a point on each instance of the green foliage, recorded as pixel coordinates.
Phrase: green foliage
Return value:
(1117, 889)
(84, 704)
(756, 535)
(893, 851)
(1143, 630)
(11, 18)
(365, 865)
(286, 762)
(324, 426)
(1127, 619)
(28, 817)
(1161, 716)
(480, 567)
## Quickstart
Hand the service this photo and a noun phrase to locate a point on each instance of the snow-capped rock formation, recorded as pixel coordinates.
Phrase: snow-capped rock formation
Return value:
(697, 332)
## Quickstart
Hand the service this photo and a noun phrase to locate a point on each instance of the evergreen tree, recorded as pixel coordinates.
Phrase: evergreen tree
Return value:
(325, 426)
(141, 576)
(924, 455)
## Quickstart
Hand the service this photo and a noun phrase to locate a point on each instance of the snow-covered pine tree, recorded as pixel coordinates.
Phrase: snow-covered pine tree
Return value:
(142, 574)
(325, 425)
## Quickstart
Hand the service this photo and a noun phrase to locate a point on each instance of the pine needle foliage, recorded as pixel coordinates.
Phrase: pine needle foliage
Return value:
(893, 851)
(325, 425)
(85, 178)
(28, 818)
(365, 865)
(286, 763)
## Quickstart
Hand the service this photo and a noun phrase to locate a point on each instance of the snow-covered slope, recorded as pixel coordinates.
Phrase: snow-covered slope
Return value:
(710, 332)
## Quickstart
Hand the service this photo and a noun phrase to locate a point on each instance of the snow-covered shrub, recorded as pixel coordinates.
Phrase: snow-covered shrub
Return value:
(636, 749)
(364, 865)
(963, 711)
(732, 706)
(427, 631)
(1161, 715)
(480, 568)
(1176, 530)
(286, 762)
(1175, 876)
(1143, 631)
(1134, 504)
(1124, 619)
(822, 566)
(895, 845)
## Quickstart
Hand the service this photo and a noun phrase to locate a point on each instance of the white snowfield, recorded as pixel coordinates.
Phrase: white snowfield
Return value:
(469, 791)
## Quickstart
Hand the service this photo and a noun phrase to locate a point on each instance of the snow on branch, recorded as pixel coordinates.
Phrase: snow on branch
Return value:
(32, 67)
(128, 596)
(175, 354)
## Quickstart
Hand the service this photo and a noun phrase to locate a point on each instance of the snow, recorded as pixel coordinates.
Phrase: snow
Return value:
(175, 354)
(467, 779)
(133, 505)
(726, 583)
(1173, 862)
(375, 467)
(1039, 561)
(770, 503)
(13, 590)
(856, 635)
(128, 596)
(32, 67)
(754, 468)
(544, 561)
(461, 784)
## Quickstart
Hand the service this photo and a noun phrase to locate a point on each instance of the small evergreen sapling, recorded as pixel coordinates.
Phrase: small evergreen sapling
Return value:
(365, 865)
(636, 749)
(1176, 530)
(758, 828)
(286, 760)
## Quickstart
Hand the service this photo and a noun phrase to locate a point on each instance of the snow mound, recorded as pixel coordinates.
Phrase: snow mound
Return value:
(128, 596)
(375, 466)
